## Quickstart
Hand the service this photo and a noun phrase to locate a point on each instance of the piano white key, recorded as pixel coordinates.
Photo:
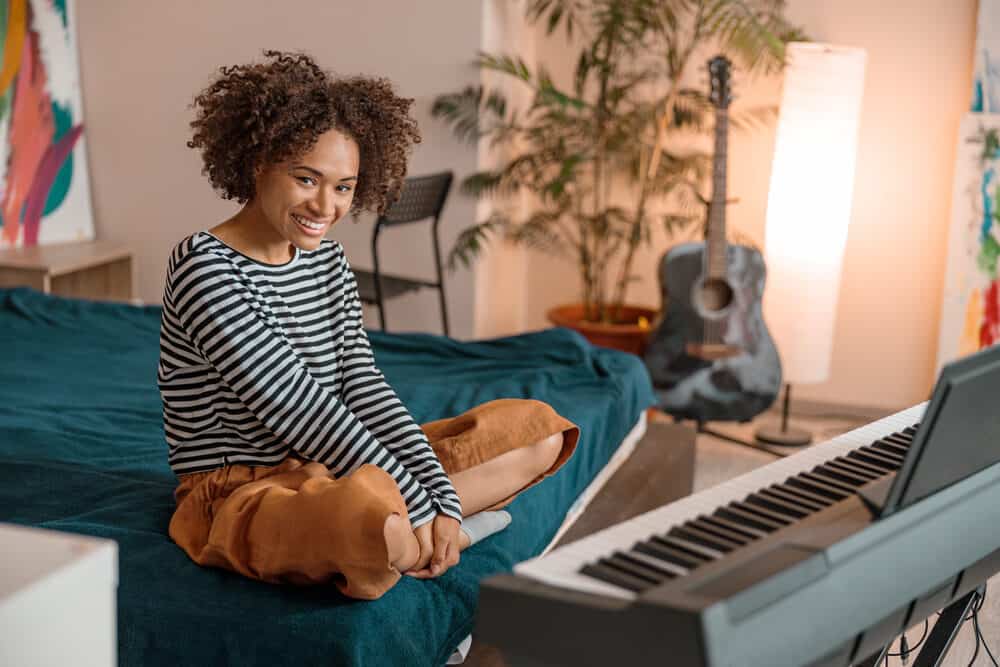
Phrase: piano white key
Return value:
(560, 567)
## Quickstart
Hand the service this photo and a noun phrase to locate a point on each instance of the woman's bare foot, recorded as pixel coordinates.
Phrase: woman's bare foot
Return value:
(401, 543)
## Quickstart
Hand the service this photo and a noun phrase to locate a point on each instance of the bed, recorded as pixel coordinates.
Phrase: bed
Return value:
(82, 450)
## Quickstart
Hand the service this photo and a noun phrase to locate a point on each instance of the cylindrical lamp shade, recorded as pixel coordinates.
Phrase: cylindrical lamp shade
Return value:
(809, 203)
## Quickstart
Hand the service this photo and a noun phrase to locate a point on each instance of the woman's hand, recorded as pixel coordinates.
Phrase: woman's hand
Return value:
(438, 547)
(425, 538)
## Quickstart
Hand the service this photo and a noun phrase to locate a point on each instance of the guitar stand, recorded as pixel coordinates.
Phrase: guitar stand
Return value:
(941, 637)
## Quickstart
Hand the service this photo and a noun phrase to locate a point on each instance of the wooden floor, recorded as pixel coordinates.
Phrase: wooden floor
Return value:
(669, 463)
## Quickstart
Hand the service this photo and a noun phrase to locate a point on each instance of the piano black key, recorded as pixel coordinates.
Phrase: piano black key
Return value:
(895, 447)
(805, 506)
(862, 465)
(704, 524)
(898, 439)
(775, 506)
(872, 457)
(610, 575)
(813, 502)
(853, 468)
(697, 550)
(847, 484)
(635, 569)
(692, 534)
(739, 528)
(667, 554)
(801, 492)
(811, 483)
(738, 513)
(846, 490)
(846, 476)
(887, 450)
(892, 455)
(911, 430)
(668, 569)
(755, 510)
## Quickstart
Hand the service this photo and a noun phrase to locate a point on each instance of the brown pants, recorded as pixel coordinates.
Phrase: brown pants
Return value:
(295, 523)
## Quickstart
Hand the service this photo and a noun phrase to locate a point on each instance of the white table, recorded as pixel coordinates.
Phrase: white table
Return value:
(58, 595)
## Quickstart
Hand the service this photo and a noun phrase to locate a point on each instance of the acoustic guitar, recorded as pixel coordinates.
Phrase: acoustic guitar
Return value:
(710, 355)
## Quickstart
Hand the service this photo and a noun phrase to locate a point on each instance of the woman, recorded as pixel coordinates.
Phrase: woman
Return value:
(296, 460)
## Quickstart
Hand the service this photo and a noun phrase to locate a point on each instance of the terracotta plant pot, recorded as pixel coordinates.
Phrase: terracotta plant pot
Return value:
(626, 337)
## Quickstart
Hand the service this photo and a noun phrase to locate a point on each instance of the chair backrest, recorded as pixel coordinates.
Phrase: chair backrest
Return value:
(421, 197)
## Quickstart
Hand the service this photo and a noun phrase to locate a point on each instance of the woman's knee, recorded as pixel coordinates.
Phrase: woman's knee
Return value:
(401, 544)
(546, 451)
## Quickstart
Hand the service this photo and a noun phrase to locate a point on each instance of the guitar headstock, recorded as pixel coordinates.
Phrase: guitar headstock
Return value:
(718, 68)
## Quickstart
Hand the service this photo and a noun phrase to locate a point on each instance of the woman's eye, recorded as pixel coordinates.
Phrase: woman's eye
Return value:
(307, 180)
(343, 188)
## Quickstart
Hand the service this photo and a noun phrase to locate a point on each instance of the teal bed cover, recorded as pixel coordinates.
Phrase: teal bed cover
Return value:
(82, 450)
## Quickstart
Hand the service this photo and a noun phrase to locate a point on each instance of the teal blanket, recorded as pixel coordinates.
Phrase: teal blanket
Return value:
(82, 450)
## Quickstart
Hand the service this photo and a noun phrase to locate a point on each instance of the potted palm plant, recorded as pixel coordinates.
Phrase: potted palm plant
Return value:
(596, 153)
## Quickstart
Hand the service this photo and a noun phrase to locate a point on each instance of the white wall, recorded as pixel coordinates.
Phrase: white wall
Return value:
(918, 84)
(142, 63)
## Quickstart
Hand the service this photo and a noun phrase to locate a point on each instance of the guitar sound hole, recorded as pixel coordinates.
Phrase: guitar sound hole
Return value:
(716, 295)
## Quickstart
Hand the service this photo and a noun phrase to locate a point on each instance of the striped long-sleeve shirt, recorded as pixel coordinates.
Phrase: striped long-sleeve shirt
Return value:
(258, 361)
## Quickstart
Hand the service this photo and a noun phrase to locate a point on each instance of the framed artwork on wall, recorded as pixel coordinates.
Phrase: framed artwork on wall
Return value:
(44, 187)
(970, 311)
(986, 77)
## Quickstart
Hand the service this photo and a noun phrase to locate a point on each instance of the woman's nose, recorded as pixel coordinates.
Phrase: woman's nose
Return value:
(324, 204)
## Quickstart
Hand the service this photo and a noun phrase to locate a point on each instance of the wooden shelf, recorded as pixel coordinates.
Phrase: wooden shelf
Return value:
(89, 270)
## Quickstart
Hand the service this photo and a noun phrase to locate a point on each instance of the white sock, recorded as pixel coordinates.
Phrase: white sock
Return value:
(481, 525)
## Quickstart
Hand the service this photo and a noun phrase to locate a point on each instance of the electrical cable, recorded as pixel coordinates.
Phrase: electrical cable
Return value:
(981, 638)
(904, 649)
(979, 633)
(975, 653)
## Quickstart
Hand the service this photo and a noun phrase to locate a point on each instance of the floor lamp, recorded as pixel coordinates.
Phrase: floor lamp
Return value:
(808, 210)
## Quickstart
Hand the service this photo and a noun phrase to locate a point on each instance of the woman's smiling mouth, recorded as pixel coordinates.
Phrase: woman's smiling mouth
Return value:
(309, 225)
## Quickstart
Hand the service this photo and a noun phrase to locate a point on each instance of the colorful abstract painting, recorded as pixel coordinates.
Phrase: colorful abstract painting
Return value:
(970, 318)
(44, 189)
(986, 79)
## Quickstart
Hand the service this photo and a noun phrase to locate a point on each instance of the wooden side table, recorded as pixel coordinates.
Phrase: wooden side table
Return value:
(87, 270)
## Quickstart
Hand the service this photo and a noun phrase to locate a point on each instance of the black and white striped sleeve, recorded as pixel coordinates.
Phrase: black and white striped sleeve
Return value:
(221, 311)
(375, 403)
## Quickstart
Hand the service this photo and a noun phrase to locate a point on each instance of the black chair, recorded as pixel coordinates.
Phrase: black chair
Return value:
(422, 198)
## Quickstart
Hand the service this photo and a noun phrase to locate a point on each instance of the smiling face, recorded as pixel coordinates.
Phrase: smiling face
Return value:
(297, 201)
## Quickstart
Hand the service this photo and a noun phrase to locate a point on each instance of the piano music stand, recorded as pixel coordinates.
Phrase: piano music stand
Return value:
(953, 440)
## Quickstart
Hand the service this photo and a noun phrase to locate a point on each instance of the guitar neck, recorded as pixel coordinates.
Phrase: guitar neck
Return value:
(716, 251)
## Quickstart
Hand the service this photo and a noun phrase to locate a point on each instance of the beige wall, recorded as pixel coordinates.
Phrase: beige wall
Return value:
(917, 86)
(143, 62)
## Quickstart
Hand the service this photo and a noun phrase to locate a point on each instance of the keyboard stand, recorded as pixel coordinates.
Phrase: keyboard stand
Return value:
(940, 639)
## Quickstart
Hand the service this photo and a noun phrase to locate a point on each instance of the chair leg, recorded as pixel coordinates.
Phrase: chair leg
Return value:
(440, 272)
(444, 311)
(381, 313)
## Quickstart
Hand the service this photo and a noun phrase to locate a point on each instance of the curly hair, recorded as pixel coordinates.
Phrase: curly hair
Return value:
(260, 114)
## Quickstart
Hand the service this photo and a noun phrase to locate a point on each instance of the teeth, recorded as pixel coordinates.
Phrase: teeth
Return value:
(307, 223)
